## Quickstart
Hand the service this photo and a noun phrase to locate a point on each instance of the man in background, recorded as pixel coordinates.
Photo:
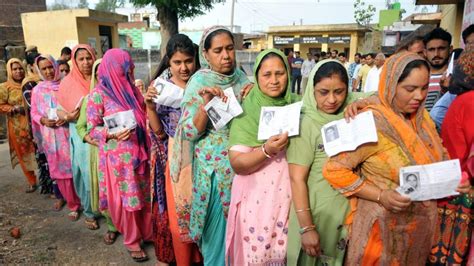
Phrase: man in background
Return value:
(65, 54)
(372, 83)
(352, 68)
(334, 54)
(343, 59)
(364, 71)
(308, 64)
(296, 65)
(437, 50)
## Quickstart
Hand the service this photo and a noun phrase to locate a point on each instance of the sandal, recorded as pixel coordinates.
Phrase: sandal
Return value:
(138, 256)
(91, 224)
(110, 237)
(73, 216)
(31, 189)
(59, 204)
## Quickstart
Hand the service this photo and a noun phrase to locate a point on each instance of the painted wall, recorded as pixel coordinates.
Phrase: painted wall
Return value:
(388, 17)
(89, 29)
(452, 21)
(50, 31)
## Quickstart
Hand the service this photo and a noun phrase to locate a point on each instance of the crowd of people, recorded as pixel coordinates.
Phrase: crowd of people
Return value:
(225, 197)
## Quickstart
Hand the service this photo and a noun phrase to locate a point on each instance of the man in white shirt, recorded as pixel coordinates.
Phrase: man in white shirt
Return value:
(372, 83)
(306, 68)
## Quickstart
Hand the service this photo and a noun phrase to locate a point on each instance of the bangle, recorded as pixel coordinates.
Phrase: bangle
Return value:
(265, 151)
(380, 195)
(303, 210)
(307, 229)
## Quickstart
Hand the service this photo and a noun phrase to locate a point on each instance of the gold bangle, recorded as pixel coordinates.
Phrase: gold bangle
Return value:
(307, 229)
(303, 210)
(265, 151)
(380, 195)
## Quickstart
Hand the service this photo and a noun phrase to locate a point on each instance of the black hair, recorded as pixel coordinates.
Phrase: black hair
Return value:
(419, 63)
(466, 32)
(77, 51)
(177, 43)
(329, 69)
(31, 57)
(317, 55)
(342, 54)
(208, 40)
(62, 62)
(268, 56)
(66, 50)
(457, 52)
(369, 54)
(323, 54)
(438, 34)
(358, 54)
(337, 52)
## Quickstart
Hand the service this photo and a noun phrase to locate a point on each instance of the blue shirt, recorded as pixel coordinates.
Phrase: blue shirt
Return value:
(438, 112)
(297, 71)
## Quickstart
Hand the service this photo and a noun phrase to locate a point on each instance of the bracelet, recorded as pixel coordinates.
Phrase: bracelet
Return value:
(380, 195)
(303, 210)
(307, 229)
(265, 152)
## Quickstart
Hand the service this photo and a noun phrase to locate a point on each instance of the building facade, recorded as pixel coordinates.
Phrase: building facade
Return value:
(317, 38)
(50, 31)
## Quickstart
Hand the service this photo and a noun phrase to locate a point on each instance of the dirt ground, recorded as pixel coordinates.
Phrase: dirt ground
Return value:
(48, 237)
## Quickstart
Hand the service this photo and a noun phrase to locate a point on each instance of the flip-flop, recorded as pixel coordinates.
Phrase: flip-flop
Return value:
(73, 216)
(91, 223)
(110, 237)
(141, 258)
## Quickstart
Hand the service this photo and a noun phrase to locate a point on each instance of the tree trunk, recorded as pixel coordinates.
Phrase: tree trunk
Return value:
(168, 26)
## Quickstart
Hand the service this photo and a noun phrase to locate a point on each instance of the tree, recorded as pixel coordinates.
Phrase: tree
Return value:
(170, 12)
(59, 5)
(362, 14)
(109, 5)
(83, 4)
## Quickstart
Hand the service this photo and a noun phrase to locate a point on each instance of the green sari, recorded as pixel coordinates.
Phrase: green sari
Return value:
(329, 208)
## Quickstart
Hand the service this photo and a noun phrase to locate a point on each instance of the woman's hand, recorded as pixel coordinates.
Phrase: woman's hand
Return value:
(60, 122)
(310, 243)
(276, 144)
(393, 201)
(48, 122)
(69, 117)
(90, 140)
(208, 93)
(150, 95)
(464, 185)
(353, 109)
(121, 136)
(246, 90)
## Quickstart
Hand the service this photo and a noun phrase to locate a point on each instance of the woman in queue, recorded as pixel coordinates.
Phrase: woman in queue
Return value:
(177, 67)
(386, 227)
(20, 140)
(201, 150)
(257, 225)
(72, 91)
(317, 226)
(51, 132)
(123, 156)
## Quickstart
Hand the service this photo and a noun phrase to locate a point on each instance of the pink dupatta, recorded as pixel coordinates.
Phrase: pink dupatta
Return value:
(74, 86)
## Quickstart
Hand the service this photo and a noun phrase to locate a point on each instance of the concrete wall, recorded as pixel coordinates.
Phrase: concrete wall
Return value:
(88, 28)
(50, 31)
(452, 21)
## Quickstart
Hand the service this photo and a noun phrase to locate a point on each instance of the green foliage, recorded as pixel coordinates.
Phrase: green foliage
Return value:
(184, 8)
(59, 5)
(83, 4)
(363, 13)
(109, 5)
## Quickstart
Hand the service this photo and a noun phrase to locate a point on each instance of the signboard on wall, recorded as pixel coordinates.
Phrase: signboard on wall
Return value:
(282, 40)
(339, 39)
(313, 39)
